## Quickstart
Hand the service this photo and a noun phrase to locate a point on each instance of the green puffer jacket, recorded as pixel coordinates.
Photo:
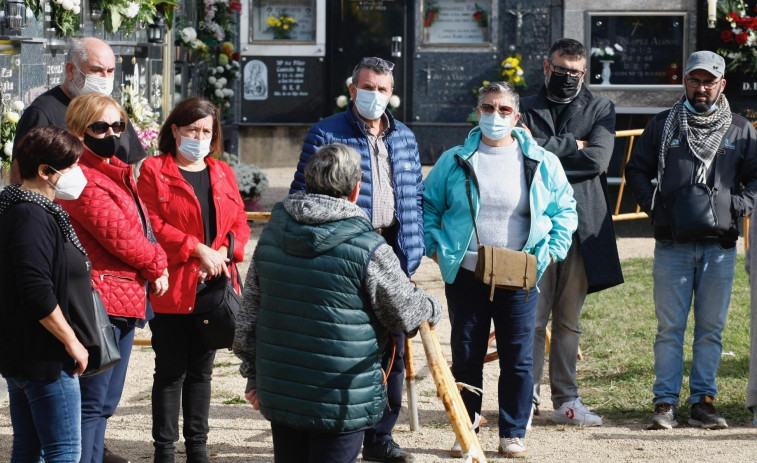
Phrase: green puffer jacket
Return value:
(316, 324)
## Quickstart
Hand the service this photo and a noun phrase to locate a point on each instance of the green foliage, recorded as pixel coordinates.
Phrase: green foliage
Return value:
(619, 328)
(236, 400)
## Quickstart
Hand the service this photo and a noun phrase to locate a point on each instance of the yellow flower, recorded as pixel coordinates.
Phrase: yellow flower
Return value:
(516, 79)
(271, 21)
(285, 26)
(486, 82)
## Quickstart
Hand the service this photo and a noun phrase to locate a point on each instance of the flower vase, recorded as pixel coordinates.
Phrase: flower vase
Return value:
(253, 204)
(606, 71)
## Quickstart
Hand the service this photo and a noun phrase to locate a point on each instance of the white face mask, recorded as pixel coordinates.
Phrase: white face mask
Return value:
(370, 104)
(194, 150)
(70, 184)
(92, 84)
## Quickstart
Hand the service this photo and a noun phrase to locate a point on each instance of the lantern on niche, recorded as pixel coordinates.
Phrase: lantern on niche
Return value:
(15, 14)
(156, 31)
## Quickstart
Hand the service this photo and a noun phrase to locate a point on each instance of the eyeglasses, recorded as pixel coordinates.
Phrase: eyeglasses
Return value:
(696, 83)
(381, 63)
(100, 127)
(487, 108)
(561, 70)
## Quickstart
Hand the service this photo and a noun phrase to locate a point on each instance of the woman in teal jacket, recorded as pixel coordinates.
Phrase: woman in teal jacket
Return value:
(522, 201)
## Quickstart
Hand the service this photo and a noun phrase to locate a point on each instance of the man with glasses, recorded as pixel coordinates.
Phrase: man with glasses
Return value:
(579, 127)
(90, 67)
(391, 194)
(697, 147)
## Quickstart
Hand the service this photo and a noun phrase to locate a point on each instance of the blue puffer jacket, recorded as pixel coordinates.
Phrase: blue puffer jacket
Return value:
(553, 209)
(407, 178)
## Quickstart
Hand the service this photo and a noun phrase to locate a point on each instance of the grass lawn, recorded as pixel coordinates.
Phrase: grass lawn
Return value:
(619, 327)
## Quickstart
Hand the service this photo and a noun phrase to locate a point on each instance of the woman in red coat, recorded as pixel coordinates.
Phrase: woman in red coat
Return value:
(194, 206)
(127, 262)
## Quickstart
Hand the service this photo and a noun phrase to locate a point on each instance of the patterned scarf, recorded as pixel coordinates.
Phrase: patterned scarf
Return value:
(13, 195)
(703, 135)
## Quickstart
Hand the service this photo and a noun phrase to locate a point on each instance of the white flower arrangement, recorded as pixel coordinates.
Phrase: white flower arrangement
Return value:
(607, 52)
(219, 82)
(251, 180)
(11, 113)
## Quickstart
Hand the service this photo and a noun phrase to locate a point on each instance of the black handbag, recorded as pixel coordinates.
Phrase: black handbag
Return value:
(691, 212)
(216, 307)
(105, 353)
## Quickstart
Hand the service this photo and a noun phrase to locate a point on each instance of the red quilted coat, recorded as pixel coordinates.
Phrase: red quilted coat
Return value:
(177, 220)
(108, 224)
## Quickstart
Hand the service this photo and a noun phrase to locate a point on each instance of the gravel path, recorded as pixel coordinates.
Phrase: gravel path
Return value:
(239, 434)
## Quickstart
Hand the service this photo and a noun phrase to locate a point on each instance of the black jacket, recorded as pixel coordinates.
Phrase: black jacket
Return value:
(33, 281)
(590, 118)
(736, 164)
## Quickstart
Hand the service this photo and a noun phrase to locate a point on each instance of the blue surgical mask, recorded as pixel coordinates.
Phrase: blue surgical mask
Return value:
(494, 126)
(712, 108)
(194, 150)
(370, 104)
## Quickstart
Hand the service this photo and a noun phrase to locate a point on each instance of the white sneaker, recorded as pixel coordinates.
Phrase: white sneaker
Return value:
(457, 450)
(574, 412)
(512, 447)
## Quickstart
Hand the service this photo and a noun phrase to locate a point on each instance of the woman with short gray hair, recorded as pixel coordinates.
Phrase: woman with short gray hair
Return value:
(334, 172)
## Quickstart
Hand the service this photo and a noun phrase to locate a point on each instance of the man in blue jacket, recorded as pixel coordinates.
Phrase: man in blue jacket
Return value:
(391, 193)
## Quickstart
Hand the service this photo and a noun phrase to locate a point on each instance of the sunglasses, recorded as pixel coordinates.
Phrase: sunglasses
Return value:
(382, 63)
(502, 110)
(100, 127)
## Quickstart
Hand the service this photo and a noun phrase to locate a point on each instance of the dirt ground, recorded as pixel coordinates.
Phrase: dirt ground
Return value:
(239, 434)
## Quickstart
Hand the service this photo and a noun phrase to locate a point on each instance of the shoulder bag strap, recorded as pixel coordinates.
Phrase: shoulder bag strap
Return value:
(463, 166)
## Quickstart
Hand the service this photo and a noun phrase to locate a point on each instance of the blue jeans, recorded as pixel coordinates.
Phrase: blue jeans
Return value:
(100, 395)
(471, 314)
(680, 272)
(46, 418)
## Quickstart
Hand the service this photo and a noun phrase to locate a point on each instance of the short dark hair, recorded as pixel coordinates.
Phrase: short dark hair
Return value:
(186, 112)
(333, 170)
(568, 47)
(56, 147)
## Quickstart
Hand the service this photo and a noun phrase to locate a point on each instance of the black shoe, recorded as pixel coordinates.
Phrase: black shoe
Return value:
(110, 457)
(705, 416)
(388, 451)
(663, 417)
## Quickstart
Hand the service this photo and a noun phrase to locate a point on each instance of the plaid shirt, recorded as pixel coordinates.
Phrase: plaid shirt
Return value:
(382, 209)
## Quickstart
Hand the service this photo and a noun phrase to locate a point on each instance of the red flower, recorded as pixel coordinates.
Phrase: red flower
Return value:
(237, 6)
(732, 16)
(477, 15)
(726, 36)
(431, 15)
(741, 38)
(236, 56)
(428, 23)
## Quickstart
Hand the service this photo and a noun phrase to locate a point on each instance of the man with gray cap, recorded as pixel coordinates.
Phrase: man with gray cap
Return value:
(704, 159)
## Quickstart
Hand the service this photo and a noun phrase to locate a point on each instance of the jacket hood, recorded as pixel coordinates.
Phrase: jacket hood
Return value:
(319, 223)
(528, 145)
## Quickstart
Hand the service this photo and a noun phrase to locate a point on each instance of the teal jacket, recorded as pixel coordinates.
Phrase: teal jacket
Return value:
(447, 217)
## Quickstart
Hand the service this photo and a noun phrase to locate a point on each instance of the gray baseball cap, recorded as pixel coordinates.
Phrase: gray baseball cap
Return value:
(707, 61)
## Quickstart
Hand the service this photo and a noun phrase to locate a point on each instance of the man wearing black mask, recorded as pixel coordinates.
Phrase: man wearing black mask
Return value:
(579, 127)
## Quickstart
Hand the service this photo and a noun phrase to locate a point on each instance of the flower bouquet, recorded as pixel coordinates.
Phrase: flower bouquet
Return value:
(222, 77)
(10, 115)
(738, 35)
(607, 51)
(281, 26)
(251, 180)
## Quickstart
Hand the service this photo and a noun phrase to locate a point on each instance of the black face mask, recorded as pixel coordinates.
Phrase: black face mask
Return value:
(103, 147)
(563, 86)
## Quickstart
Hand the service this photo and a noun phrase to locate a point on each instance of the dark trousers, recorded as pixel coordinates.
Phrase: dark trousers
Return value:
(382, 431)
(100, 395)
(294, 446)
(183, 371)
(471, 314)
